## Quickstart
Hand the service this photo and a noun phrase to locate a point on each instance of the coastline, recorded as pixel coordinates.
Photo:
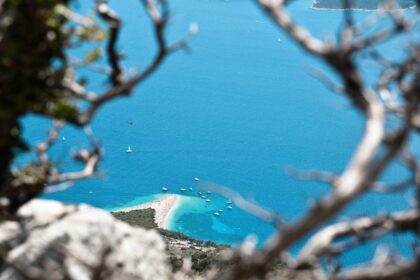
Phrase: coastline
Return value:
(164, 208)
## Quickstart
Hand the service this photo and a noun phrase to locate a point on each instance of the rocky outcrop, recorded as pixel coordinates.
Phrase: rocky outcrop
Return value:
(53, 240)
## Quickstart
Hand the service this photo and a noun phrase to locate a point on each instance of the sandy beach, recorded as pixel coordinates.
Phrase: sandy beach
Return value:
(163, 208)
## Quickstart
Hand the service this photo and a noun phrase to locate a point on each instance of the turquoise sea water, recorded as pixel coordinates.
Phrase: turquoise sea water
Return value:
(236, 110)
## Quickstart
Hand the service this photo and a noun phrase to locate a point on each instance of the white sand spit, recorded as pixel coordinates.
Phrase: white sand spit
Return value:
(163, 208)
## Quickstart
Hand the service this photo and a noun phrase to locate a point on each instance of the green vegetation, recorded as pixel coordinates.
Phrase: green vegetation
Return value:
(144, 218)
(203, 261)
(181, 236)
(203, 254)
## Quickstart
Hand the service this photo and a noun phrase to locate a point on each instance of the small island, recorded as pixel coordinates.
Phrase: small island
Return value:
(367, 5)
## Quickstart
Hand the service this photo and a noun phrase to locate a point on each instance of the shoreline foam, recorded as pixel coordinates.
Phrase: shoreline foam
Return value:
(163, 206)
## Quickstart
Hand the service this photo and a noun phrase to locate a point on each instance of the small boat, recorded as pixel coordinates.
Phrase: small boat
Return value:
(200, 193)
(129, 150)
(182, 189)
(229, 201)
(191, 189)
(164, 189)
(203, 196)
(220, 210)
(63, 138)
(196, 179)
(230, 207)
(208, 192)
(208, 200)
(216, 213)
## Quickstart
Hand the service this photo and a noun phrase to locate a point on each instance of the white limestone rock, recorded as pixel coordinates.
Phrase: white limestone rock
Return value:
(58, 241)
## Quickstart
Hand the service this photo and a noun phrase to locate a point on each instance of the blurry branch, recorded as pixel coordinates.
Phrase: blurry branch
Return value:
(388, 98)
(347, 187)
(325, 80)
(75, 17)
(61, 181)
(47, 174)
(330, 178)
(158, 12)
(51, 87)
(402, 270)
(34, 178)
(89, 158)
(376, 149)
(411, 162)
(275, 9)
(377, 57)
(361, 230)
(65, 180)
(400, 25)
(90, 66)
(58, 187)
(114, 24)
(43, 147)
(312, 175)
(244, 204)
(359, 28)
(78, 90)
(392, 188)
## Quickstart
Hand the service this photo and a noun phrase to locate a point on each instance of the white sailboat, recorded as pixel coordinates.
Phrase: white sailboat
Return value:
(129, 150)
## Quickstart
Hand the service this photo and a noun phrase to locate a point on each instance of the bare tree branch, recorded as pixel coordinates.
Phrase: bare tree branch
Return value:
(43, 147)
(124, 87)
(369, 159)
(403, 270)
(246, 205)
(361, 229)
(90, 159)
(276, 10)
(114, 23)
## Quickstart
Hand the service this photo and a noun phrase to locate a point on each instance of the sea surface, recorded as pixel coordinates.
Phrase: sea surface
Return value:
(235, 110)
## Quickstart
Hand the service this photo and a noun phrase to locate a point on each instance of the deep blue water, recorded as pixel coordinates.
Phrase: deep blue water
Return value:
(235, 111)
